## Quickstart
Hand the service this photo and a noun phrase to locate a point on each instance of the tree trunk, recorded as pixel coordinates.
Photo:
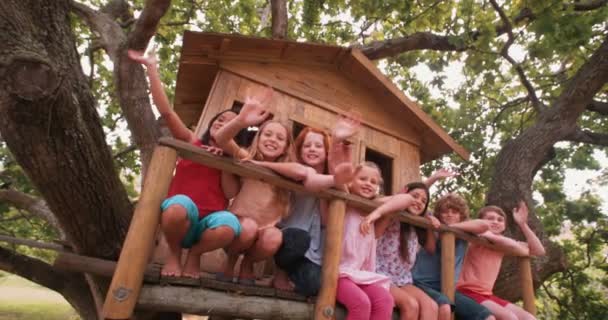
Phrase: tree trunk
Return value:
(520, 159)
(51, 126)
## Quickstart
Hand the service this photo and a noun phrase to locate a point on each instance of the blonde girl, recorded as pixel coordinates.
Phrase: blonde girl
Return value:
(264, 203)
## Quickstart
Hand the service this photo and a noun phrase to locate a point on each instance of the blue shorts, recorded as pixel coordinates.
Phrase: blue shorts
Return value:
(464, 307)
(198, 226)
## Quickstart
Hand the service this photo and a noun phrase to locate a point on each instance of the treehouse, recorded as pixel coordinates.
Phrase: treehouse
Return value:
(313, 84)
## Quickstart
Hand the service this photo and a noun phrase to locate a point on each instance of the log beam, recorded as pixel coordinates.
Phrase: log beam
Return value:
(137, 248)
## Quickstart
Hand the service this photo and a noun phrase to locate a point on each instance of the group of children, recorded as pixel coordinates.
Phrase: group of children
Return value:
(384, 262)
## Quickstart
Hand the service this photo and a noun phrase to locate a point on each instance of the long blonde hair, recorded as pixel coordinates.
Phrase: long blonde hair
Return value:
(287, 156)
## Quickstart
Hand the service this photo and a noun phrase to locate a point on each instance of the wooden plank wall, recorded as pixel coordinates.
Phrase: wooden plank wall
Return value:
(289, 107)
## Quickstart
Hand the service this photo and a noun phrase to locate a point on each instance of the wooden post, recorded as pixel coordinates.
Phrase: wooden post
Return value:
(126, 283)
(447, 264)
(326, 300)
(527, 285)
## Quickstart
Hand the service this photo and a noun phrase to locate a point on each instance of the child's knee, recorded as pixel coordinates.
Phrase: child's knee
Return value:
(271, 239)
(444, 311)
(249, 228)
(407, 304)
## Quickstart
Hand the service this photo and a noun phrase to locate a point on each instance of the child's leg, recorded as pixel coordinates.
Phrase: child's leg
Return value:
(381, 301)
(467, 308)
(265, 246)
(519, 312)
(289, 256)
(356, 302)
(217, 230)
(175, 222)
(428, 307)
(249, 230)
(444, 305)
(408, 306)
(498, 311)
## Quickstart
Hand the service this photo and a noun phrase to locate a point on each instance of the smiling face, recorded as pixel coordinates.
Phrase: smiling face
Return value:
(220, 121)
(450, 216)
(313, 152)
(272, 142)
(366, 182)
(421, 198)
(496, 220)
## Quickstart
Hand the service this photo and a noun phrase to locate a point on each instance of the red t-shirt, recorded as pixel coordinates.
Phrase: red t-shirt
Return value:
(201, 183)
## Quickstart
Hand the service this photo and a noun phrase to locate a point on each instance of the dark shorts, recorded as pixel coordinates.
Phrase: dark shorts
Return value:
(479, 298)
(305, 274)
(464, 307)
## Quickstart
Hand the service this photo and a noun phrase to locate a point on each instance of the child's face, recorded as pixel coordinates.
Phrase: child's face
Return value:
(420, 198)
(450, 216)
(496, 220)
(221, 121)
(313, 152)
(272, 141)
(366, 182)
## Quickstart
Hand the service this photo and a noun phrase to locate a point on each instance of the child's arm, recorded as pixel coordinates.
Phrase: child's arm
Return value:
(477, 226)
(518, 247)
(230, 184)
(253, 112)
(439, 175)
(430, 244)
(312, 180)
(397, 202)
(174, 123)
(520, 215)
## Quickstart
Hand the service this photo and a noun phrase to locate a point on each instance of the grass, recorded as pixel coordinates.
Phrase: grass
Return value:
(21, 299)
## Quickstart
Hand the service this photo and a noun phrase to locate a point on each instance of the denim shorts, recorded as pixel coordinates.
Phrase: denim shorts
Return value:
(198, 226)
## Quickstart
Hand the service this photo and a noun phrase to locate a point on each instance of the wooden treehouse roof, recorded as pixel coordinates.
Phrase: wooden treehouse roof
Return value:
(203, 54)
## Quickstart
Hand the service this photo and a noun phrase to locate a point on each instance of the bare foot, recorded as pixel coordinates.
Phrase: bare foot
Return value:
(192, 267)
(281, 281)
(229, 265)
(172, 267)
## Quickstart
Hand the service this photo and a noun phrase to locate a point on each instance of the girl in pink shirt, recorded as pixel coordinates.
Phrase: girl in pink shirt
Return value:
(481, 264)
(361, 290)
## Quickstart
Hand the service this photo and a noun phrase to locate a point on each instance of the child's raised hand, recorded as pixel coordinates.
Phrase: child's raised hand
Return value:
(343, 173)
(520, 213)
(215, 150)
(139, 56)
(434, 222)
(346, 126)
(366, 225)
(255, 109)
(444, 173)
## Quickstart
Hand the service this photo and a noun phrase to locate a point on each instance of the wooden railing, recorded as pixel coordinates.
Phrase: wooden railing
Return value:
(128, 277)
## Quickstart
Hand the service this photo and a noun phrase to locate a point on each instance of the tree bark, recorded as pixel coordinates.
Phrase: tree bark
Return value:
(520, 159)
(51, 126)
(279, 19)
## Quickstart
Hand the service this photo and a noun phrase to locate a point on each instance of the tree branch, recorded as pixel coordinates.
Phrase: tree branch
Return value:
(279, 19)
(417, 41)
(504, 52)
(589, 5)
(588, 80)
(32, 205)
(147, 23)
(104, 25)
(71, 285)
(586, 136)
(599, 107)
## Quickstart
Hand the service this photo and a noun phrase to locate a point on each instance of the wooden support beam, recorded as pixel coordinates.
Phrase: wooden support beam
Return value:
(527, 284)
(326, 300)
(126, 283)
(448, 264)
(191, 152)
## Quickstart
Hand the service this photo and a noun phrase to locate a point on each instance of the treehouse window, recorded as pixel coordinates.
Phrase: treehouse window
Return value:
(296, 128)
(386, 167)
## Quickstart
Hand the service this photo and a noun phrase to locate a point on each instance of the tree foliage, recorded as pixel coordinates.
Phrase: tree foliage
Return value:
(449, 57)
